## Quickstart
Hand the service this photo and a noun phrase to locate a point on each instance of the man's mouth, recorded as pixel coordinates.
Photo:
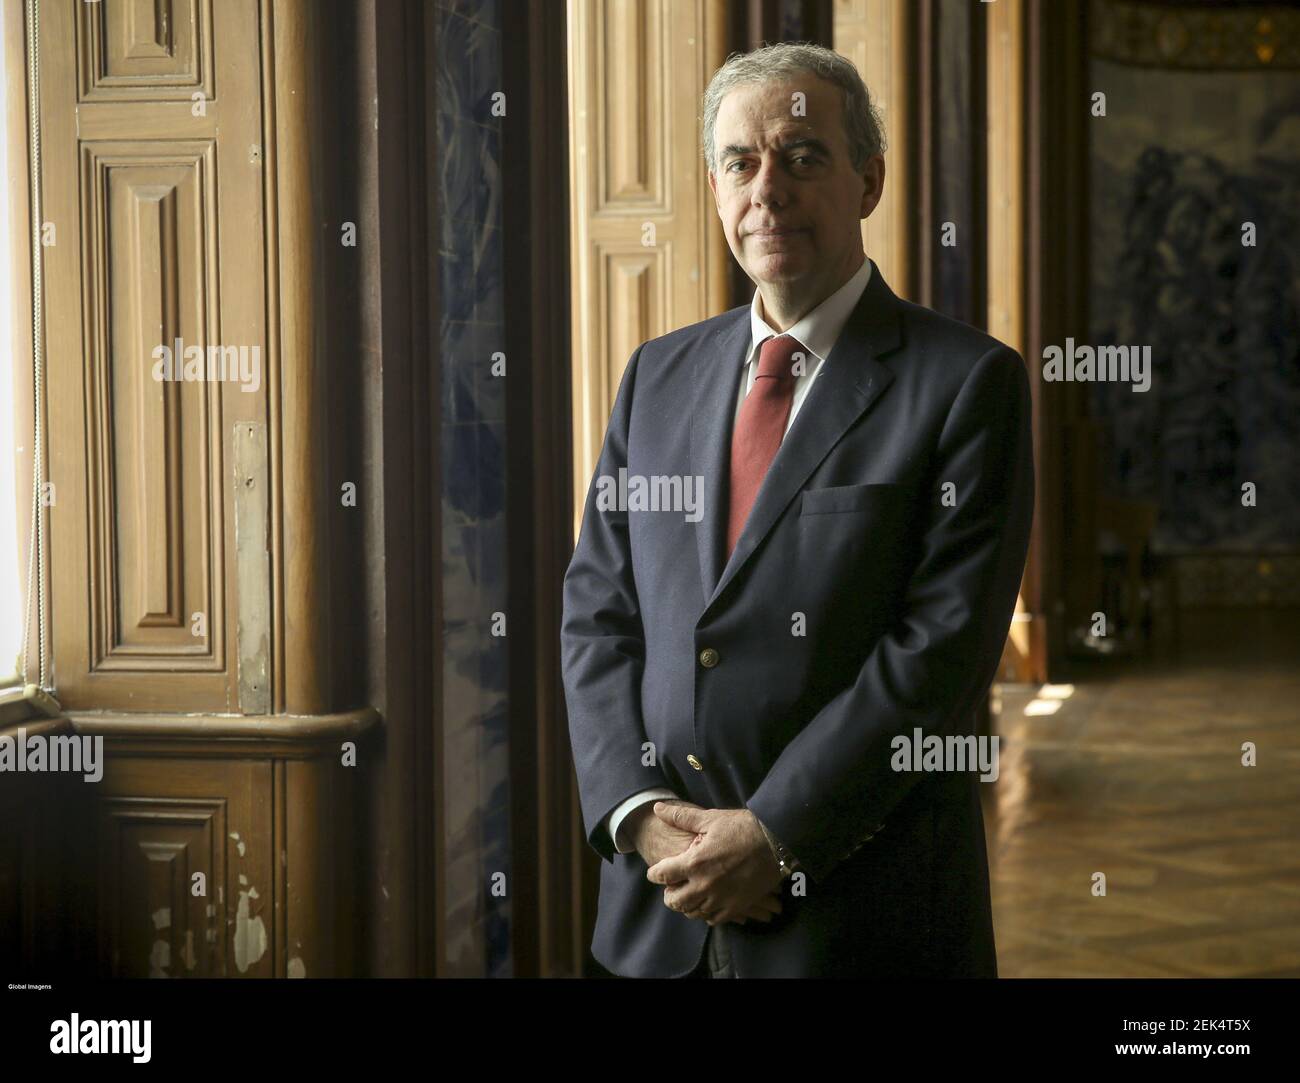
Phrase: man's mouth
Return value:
(773, 236)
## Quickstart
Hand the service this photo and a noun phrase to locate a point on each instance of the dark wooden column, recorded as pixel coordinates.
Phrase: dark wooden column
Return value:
(554, 888)
(950, 152)
(1056, 295)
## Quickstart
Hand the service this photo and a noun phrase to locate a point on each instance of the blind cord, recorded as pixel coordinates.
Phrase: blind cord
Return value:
(35, 547)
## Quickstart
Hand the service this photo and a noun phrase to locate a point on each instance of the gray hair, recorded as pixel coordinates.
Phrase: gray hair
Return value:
(863, 130)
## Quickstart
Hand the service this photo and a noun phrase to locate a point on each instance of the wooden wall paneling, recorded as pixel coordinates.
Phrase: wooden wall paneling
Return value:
(151, 246)
(647, 248)
(879, 37)
(157, 830)
(262, 807)
(146, 52)
(175, 218)
(156, 485)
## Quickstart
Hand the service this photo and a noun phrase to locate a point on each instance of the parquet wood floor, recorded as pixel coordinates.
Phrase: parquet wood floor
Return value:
(1139, 776)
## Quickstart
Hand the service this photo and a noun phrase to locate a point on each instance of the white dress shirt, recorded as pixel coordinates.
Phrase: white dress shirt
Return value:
(817, 332)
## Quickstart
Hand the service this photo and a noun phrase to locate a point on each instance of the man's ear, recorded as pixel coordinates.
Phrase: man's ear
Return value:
(713, 187)
(873, 181)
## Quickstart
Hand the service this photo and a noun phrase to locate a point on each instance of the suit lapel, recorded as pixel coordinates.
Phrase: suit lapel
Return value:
(851, 380)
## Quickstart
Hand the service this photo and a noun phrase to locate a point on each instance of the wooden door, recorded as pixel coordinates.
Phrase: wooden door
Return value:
(151, 178)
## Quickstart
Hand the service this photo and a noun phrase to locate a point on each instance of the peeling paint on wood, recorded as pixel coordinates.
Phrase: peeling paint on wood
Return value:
(250, 933)
(160, 959)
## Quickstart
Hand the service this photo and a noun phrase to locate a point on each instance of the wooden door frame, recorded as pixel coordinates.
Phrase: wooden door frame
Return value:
(389, 54)
(556, 877)
(1055, 121)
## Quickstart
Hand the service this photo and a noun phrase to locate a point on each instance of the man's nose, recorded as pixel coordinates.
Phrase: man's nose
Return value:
(770, 188)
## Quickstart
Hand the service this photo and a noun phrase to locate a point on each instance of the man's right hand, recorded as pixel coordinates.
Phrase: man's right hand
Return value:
(655, 840)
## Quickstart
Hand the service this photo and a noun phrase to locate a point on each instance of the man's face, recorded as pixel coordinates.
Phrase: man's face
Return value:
(786, 192)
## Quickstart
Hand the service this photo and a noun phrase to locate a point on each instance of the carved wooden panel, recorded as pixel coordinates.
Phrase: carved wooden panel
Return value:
(633, 295)
(168, 830)
(632, 64)
(155, 50)
(156, 464)
(647, 248)
(152, 924)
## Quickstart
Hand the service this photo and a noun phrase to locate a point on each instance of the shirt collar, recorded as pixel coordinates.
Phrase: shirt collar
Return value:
(818, 330)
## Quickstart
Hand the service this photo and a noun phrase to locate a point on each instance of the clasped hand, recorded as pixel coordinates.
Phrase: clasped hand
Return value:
(714, 864)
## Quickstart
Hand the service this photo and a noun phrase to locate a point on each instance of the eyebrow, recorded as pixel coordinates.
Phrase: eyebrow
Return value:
(732, 149)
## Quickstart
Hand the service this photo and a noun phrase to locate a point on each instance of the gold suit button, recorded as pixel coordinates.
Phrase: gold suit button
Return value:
(708, 658)
(695, 763)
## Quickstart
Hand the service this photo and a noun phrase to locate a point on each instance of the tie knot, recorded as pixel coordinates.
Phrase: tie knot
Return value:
(777, 355)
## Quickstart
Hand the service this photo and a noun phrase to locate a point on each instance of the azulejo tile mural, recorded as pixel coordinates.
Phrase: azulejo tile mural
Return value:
(1195, 235)
(474, 758)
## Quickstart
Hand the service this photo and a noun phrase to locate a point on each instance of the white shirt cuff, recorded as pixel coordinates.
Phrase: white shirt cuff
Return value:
(616, 818)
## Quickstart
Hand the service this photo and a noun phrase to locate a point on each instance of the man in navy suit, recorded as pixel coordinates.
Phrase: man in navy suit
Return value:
(802, 544)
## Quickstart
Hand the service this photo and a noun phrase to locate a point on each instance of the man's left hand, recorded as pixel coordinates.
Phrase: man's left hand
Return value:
(726, 871)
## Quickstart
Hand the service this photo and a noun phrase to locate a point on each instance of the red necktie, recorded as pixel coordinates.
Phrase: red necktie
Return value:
(760, 428)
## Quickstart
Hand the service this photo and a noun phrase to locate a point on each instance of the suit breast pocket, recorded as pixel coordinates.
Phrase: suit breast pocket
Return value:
(843, 499)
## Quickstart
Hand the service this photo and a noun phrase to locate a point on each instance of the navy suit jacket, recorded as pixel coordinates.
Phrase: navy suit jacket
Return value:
(906, 598)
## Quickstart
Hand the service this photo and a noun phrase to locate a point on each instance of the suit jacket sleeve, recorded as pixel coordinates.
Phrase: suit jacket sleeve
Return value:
(602, 647)
(833, 784)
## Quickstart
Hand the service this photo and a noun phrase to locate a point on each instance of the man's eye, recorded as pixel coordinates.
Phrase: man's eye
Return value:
(731, 165)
